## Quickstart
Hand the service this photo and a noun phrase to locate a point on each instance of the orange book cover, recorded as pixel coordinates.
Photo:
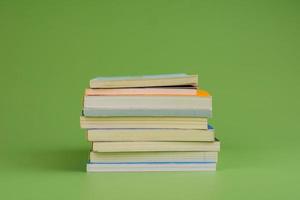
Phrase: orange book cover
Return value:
(203, 93)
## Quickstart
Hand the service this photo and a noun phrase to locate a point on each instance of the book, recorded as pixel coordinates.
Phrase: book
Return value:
(143, 122)
(199, 105)
(154, 146)
(163, 91)
(144, 81)
(143, 167)
(98, 112)
(140, 157)
(154, 134)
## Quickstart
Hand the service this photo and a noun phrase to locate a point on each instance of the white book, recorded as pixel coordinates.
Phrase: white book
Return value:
(150, 167)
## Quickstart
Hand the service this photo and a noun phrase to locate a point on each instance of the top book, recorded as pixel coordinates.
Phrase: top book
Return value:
(145, 81)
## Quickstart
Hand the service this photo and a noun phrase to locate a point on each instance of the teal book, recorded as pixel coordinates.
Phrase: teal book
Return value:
(98, 112)
(193, 106)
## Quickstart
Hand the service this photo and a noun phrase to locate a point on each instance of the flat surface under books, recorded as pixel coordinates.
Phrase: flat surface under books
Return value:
(246, 54)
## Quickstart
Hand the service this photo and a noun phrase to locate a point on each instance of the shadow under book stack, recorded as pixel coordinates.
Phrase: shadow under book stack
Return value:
(149, 123)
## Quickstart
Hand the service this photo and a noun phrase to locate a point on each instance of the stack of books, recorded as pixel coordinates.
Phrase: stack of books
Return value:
(149, 123)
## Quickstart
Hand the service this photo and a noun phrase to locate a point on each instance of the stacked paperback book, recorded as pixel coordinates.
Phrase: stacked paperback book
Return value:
(149, 123)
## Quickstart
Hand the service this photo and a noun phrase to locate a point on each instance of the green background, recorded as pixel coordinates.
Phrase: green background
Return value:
(245, 52)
